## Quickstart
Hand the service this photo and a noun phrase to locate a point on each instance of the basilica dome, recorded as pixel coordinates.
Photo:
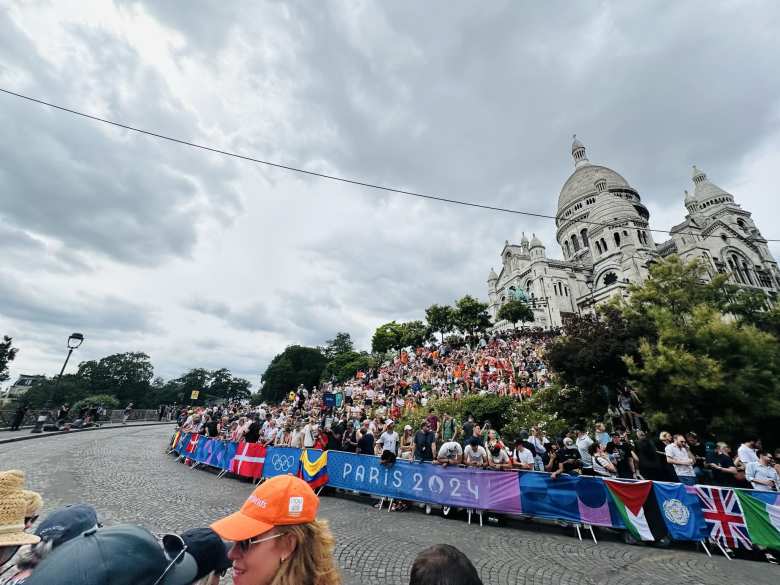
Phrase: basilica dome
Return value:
(583, 180)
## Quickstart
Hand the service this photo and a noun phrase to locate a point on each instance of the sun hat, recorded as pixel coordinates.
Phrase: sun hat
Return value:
(14, 502)
(280, 501)
(408, 428)
(120, 555)
(66, 523)
(34, 503)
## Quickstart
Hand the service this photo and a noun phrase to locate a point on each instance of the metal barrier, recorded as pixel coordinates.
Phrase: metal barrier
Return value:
(113, 416)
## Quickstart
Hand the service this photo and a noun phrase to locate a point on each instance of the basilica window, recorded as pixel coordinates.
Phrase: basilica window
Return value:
(604, 244)
(610, 278)
(617, 239)
(575, 243)
(566, 247)
(747, 273)
(584, 236)
(598, 247)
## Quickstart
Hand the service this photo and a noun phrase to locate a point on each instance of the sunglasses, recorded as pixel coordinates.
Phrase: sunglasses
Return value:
(245, 545)
(174, 548)
(28, 520)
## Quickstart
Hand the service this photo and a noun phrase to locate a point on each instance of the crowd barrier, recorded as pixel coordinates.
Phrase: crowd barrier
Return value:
(648, 510)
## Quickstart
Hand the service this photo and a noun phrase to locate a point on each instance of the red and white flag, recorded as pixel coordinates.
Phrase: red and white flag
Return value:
(248, 460)
(724, 516)
(193, 444)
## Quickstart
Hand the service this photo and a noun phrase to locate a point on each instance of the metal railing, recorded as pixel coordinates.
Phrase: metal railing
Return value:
(111, 416)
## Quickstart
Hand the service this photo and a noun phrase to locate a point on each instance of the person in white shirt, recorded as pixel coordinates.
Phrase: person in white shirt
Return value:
(474, 455)
(762, 475)
(309, 434)
(583, 444)
(522, 458)
(747, 452)
(450, 453)
(389, 442)
(297, 437)
(681, 459)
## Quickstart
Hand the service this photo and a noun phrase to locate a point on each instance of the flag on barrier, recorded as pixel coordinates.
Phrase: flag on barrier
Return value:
(681, 511)
(315, 473)
(175, 440)
(182, 442)
(762, 516)
(639, 509)
(192, 444)
(723, 515)
(248, 460)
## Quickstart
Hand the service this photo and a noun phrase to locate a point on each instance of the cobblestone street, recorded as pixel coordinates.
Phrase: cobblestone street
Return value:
(126, 475)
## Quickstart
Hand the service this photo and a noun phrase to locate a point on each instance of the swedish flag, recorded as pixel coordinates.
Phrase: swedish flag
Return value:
(315, 473)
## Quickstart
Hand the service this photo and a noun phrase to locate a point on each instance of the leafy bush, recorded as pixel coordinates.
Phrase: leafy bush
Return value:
(108, 401)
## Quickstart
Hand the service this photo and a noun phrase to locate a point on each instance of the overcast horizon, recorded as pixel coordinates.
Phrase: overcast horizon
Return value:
(201, 260)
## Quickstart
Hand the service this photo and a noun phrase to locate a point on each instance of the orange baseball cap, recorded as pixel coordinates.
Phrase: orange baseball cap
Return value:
(278, 501)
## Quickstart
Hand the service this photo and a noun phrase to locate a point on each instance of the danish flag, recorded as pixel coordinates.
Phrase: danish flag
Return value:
(193, 444)
(724, 516)
(249, 460)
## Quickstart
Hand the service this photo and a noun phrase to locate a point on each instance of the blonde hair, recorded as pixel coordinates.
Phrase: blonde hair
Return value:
(312, 562)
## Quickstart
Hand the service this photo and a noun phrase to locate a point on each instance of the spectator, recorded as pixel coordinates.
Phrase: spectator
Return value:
(699, 454)
(601, 434)
(296, 439)
(365, 443)
(127, 412)
(450, 453)
(14, 503)
(443, 564)
(209, 553)
(725, 471)
(600, 463)
(280, 542)
(474, 454)
(389, 442)
(252, 434)
(568, 459)
(625, 459)
(449, 428)
(761, 474)
(310, 434)
(407, 444)
(650, 465)
(522, 458)
(433, 421)
(424, 443)
(680, 457)
(583, 444)
(19, 415)
(468, 429)
(746, 453)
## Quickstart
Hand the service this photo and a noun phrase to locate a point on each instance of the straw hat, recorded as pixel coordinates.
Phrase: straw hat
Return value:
(11, 481)
(13, 507)
(34, 503)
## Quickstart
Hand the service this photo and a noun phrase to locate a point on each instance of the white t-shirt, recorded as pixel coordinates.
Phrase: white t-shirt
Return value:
(525, 457)
(449, 450)
(308, 436)
(583, 443)
(389, 441)
(754, 470)
(746, 455)
(681, 454)
(477, 455)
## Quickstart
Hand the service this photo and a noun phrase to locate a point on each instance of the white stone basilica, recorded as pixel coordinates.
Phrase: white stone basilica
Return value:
(603, 230)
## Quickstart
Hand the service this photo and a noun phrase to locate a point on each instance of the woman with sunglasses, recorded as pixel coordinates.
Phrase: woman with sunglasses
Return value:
(278, 539)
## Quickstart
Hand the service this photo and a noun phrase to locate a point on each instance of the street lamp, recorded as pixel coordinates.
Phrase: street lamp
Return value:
(74, 341)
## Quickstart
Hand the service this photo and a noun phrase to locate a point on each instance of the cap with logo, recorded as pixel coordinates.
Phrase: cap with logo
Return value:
(120, 555)
(66, 523)
(279, 501)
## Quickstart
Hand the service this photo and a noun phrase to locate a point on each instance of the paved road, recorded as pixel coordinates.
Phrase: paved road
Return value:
(125, 474)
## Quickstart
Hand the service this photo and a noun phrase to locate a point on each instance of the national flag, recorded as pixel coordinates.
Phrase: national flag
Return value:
(681, 511)
(175, 440)
(723, 515)
(181, 442)
(192, 445)
(638, 508)
(248, 460)
(762, 518)
(315, 473)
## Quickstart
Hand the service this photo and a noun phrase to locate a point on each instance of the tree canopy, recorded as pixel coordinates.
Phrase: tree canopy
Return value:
(440, 318)
(516, 311)
(7, 354)
(296, 365)
(471, 315)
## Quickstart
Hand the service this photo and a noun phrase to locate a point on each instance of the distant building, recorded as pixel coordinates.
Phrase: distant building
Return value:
(603, 229)
(20, 387)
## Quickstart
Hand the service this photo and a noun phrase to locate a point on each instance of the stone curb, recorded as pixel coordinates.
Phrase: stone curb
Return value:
(104, 427)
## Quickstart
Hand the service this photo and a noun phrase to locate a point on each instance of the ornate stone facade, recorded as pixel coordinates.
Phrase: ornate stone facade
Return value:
(603, 229)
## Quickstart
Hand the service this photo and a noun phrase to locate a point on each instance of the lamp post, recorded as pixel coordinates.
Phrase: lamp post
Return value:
(74, 341)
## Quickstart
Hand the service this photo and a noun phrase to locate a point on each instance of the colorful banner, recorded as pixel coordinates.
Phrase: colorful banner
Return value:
(314, 467)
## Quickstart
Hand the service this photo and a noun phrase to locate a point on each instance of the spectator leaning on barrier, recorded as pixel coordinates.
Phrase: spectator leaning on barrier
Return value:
(389, 442)
(584, 443)
(522, 458)
(474, 454)
(567, 459)
(277, 538)
(450, 453)
(724, 470)
(602, 466)
(407, 444)
(761, 474)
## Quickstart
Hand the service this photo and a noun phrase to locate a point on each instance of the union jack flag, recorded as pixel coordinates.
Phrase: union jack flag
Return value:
(724, 517)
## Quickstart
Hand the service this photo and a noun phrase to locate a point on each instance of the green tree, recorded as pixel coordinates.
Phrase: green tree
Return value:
(54, 392)
(414, 334)
(197, 379)
(471, 316)
(440, 318)
(108, 401)
(127, 376)
(344, 366)
(387, 337)
(295, 365)
(224, 386)
(7, 354)
(515, 311)
(340, 344)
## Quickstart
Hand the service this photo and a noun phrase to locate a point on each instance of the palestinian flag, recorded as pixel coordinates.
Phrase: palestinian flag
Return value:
(315, 473)
(762, 516)
(638, 508)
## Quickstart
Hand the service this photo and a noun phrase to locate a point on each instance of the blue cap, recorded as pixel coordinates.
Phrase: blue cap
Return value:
(119, 555)
(65, 523)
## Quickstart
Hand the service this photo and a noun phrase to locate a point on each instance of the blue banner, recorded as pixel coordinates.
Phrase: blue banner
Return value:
(282, 461)
(681, 511)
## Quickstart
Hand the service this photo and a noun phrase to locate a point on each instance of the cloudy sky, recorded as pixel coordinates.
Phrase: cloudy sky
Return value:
(205, 261)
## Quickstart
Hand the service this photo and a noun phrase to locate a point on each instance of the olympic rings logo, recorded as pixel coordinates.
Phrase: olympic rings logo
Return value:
(283, 462)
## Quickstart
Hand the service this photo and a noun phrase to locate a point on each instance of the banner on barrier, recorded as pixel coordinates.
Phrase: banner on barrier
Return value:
(282, 461)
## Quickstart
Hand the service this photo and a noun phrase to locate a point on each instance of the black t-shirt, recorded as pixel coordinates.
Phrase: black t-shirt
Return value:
(623, 461)
(725, 479)
(211, 428)
(570, 457)
(468, 430)
(423, 443)
(253, 432)
(365, 444)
